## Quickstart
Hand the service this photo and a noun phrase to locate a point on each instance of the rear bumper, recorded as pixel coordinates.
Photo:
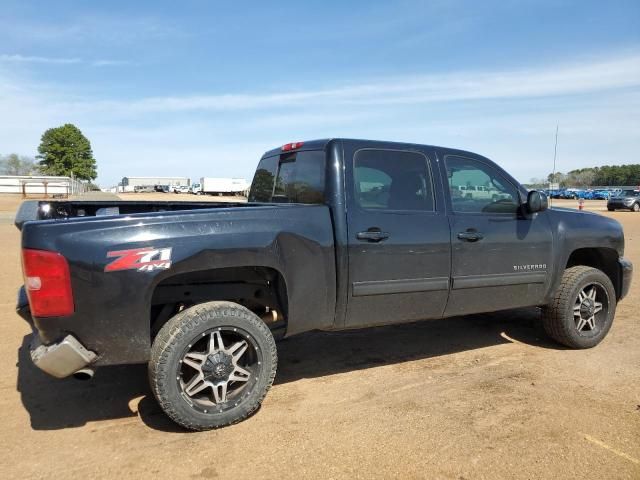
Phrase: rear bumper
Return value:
(626, 270)
(58, 359)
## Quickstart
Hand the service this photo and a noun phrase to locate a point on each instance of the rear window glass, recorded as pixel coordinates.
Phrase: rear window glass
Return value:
(297, 177)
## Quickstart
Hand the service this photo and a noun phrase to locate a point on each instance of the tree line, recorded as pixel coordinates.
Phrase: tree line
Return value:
(605, 176)
(63, 151)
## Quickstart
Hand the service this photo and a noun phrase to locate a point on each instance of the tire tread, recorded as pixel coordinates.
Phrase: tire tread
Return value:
(553, 314)
(184, 324)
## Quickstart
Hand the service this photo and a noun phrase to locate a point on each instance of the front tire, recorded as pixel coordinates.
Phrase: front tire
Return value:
(636, 207)
(583, 308)
(211, 365)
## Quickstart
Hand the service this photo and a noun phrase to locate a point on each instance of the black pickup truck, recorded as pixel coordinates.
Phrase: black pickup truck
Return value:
(337, 234)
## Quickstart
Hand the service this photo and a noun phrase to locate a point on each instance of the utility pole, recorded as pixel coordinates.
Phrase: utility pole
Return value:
(553, 174)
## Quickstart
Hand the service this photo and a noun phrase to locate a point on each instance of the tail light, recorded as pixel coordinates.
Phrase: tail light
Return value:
(292, 146)
(48, 283)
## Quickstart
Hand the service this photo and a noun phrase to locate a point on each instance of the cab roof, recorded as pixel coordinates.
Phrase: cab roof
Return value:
(321, 144)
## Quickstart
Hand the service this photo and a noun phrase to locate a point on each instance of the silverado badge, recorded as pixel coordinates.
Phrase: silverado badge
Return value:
(535, 266)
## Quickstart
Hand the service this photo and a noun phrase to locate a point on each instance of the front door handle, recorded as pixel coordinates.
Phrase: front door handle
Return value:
(470, 236)
(372, 236)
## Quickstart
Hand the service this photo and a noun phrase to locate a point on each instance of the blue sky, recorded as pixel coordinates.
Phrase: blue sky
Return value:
(204, 88)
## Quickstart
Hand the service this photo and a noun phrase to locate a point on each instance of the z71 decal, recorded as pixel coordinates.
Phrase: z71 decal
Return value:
(142, 259)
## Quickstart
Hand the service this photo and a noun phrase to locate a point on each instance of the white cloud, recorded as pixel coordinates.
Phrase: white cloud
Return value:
(34, 59)
(16, 58)
(110, 63)
(94, 30)
(509, 116)
(556, 80)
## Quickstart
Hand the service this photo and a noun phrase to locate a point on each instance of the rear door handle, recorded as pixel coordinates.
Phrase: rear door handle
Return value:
(372, 236)
(470, 236)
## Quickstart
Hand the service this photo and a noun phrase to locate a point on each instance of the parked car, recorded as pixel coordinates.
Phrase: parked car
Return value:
(161, 188)
(181, 189)
(579, 193)
(625, 199)
(569, 194)
(553, 193)
(143, 188)
(601, 195)
(476, 191)
(337, 234)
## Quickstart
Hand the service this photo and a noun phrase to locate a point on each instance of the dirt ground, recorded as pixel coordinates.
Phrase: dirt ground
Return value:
(486, 396)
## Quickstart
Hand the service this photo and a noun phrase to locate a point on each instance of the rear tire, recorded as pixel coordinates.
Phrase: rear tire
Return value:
(636, 207)
(582, 310)
(211, 365)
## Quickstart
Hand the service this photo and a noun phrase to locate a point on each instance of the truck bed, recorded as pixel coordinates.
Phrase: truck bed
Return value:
(51, 210)
(114, 307)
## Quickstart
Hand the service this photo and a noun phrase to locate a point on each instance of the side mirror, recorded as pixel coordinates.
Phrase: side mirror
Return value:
(536, 202)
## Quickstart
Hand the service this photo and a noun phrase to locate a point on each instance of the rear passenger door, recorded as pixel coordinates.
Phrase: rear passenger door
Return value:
(398, 239)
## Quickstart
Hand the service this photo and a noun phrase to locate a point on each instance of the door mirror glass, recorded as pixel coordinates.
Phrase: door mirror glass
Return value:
(536, 202)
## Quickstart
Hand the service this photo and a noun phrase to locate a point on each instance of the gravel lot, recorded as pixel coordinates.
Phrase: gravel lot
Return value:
(475, 397)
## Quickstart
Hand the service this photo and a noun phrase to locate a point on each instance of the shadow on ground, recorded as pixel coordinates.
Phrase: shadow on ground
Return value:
(55, 404)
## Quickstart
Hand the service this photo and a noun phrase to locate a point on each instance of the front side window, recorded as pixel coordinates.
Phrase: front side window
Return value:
(392, 180)
(297, 177)
(477, 188)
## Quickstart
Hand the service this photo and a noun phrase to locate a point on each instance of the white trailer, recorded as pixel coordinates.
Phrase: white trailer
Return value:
(222, 186)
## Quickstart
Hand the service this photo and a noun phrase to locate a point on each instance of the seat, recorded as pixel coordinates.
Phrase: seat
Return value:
(407, 192)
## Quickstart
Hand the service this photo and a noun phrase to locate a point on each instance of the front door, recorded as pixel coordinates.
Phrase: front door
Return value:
(500, 257)
(399, 241)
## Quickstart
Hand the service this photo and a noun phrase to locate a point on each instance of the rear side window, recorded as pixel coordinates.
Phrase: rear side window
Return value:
(262, 185)
(393, 180)
(297, 177)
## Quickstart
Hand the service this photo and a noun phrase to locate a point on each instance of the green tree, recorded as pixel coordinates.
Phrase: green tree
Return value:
(558, 178)
(262, 185)
(14, 164)
(606, 175)
(582, 177)
(537, 183)
(65, 151)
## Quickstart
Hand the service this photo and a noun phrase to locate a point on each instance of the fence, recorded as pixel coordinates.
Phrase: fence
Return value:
(41, 186)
